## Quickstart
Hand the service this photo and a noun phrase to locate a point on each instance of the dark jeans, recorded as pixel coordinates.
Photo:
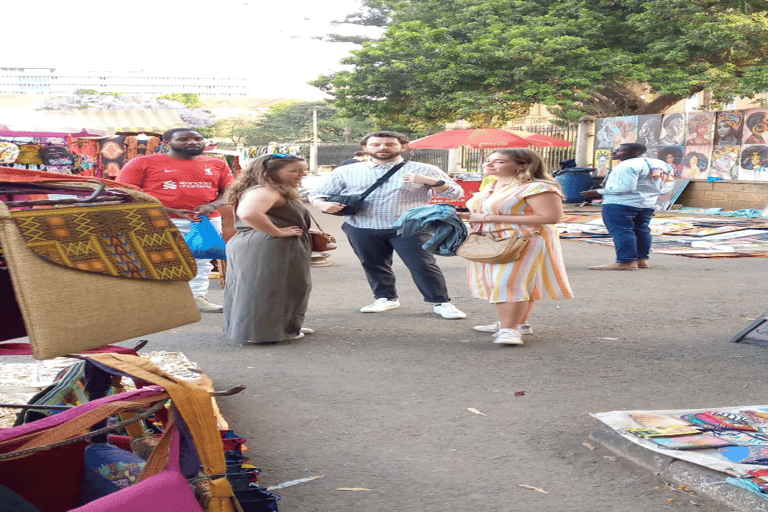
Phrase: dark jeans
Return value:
(374, 249)
(629, 229)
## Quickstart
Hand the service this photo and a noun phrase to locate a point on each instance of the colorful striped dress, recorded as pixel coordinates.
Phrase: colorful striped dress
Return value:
(540, 271)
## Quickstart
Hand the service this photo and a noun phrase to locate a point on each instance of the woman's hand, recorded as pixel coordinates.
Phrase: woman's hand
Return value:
(290, 231)
(472, 217)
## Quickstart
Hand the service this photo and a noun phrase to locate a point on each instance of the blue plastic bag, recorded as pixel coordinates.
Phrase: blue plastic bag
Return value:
(205, 242)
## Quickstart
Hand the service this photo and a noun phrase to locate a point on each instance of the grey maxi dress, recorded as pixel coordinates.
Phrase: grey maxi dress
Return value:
(268, 280)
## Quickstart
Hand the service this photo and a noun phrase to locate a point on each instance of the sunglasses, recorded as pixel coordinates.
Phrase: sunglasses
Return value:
(282, 155)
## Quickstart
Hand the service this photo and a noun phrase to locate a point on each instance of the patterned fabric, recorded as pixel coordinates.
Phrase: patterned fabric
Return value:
(29, 154)
(126, 240)
(385, 204)
(112, 155)
(140, 147)
(540, 270)
(9, 152)
(84, 147)
(56, 155)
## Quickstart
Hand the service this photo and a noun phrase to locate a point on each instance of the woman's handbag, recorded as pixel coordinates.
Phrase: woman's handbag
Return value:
(484, 248)
(321, 241)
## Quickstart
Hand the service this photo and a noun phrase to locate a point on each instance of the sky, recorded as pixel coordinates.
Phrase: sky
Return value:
(272, 41)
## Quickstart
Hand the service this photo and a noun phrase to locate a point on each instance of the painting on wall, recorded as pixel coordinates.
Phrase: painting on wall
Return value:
(696, 162)
(672, 130)
(649, 130)
(754, 163)
(673, 155)
(728, 127)
(699, 128)
(724, 163)
(605, 130)
(627, 130)
(755, 126)
(602, 161)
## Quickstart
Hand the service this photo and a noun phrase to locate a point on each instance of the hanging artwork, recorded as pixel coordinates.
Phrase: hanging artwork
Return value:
(672, 130)
(728, 127)
(602, 161)
(649, 130)
(112, 155)
(673, 155)
(696, 162)
(606, 130)
(754, 163)
(756, 126)
(724, 163)
(699, 128)
(627, 130)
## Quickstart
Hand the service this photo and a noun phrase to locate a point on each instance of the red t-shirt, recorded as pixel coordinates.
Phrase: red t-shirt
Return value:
(180, 184)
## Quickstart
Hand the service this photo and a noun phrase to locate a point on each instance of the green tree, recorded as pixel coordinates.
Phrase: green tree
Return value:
(189, 99)
(487, 61)
(292, 122)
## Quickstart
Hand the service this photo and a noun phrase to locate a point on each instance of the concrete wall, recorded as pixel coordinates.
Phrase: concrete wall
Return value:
(728, 195)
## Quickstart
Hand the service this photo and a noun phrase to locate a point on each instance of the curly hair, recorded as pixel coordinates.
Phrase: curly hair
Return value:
(536, 170)
(263, 171)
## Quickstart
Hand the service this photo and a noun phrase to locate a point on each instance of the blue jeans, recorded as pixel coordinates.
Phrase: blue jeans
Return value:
(628, 226)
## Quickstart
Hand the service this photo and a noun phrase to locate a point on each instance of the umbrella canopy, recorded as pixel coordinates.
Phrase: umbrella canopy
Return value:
(487, 138)
(30, 123)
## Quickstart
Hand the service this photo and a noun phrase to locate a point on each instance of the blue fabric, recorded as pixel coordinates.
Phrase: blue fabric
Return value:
(205, 242)
(629, 228)
(108, 469)
(746, 483)
(440, 220)
(746, 212)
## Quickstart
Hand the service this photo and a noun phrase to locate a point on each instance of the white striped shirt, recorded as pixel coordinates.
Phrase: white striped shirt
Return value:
(384, 206)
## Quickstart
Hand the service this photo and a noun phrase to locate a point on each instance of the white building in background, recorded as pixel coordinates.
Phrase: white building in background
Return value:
(55, 81)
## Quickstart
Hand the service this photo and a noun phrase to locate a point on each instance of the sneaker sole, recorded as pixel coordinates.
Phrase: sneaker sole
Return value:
(508, 342)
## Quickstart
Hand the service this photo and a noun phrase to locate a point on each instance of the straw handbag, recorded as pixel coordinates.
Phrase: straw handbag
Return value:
(485, 248)
(88, 275)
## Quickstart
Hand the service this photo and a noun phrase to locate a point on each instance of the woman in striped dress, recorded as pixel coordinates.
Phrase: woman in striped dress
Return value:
(524, 196)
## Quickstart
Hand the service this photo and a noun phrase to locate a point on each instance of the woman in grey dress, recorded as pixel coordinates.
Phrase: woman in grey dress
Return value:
(268, 259)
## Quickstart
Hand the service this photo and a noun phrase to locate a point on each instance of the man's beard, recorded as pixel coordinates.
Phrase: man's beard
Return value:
(189, 151)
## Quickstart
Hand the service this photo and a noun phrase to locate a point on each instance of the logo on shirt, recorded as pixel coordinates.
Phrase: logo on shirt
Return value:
(208, 171)
(170, 185)
(170, 170)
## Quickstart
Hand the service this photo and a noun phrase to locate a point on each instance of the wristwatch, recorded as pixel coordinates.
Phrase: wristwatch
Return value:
(440, 183)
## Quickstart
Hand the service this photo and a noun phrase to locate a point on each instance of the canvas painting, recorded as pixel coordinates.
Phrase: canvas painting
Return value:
(672, 130)
(724, 163)
(699, 128)
(728, 127)
(627, 130)
(673, 155)
(606, 130)
(755, 126)
(696, 162)
(754, 163)
(649, 130)
(602, 161)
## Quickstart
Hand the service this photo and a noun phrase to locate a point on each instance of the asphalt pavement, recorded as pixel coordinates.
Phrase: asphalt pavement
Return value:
(406, 411)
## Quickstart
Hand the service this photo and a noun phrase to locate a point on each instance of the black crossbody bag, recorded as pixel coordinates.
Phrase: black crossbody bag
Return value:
(354, 202)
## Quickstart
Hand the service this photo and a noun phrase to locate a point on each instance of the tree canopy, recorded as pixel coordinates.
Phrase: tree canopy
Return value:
(488, 61)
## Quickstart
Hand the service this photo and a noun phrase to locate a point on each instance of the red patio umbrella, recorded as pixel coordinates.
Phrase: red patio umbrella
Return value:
(487, 138)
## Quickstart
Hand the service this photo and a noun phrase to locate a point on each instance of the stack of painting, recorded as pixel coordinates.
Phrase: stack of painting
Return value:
(727, 145)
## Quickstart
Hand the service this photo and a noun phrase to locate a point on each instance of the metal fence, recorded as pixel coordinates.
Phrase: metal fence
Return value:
(471, 159)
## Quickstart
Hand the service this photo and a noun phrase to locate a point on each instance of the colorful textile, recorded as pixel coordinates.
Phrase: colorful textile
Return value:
(180, 184)
(126, 240)
(540, 270)
(29, 154)
(56, 155)
(86, 147)
(136, 147)
(112, 155)
(9, 152)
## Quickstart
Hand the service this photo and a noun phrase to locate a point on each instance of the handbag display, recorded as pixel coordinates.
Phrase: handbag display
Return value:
(484, 248)
(321, 241)
(353, 203)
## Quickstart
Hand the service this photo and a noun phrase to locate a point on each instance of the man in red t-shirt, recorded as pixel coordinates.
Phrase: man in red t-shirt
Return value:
(187, 184)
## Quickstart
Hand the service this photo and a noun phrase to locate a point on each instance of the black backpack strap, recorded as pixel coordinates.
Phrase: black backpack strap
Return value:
(379, 182)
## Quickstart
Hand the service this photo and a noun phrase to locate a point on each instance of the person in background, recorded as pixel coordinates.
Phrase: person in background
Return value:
(629, 200)
(371, 232)
(188, 185)
(526, 198)
(359, 156)
(268, 259)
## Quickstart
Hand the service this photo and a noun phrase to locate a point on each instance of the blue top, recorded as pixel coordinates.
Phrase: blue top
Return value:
(637, 182)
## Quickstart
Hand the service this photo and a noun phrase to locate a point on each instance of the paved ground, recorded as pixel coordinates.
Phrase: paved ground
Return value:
(381, 402)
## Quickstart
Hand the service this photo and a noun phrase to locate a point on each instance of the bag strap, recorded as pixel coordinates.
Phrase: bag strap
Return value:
(379, 182)
(316, 223)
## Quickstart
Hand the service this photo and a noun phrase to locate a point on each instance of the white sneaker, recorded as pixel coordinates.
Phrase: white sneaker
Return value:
(525, 329)
(295, 337)
(206, 306)
(494, 327)
(508, 337)
(307, 330)
(380, 305)
(449, 311)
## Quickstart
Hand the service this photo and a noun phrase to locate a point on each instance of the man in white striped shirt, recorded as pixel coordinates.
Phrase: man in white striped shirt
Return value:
(370, 231)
